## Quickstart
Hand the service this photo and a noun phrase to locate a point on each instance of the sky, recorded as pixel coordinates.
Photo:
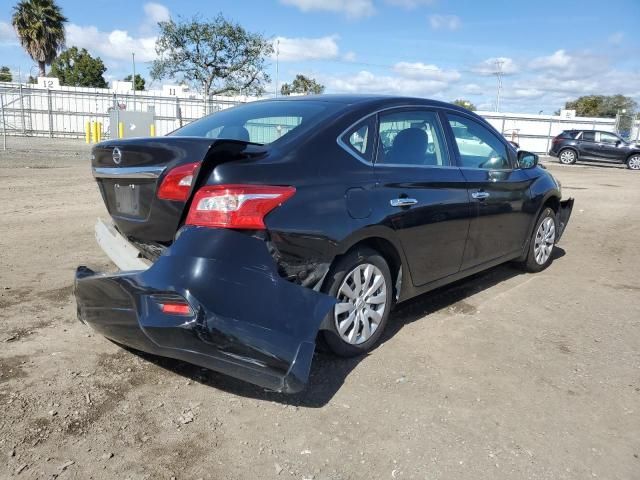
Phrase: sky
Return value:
(549, 51)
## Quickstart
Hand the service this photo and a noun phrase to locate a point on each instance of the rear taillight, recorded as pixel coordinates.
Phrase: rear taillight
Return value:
(176, 308)
(236, 206)
(177, 183)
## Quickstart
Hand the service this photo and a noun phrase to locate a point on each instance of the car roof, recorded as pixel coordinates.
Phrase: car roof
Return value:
(375, 101)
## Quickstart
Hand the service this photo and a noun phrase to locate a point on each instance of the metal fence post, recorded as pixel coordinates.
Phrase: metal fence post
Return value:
(178, 112)
(502, 128)
(24, 127)
(4, 124)
(50, 111)
(549, 133)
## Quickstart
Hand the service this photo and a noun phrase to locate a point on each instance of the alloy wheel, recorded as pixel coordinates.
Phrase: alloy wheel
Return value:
(567, 157)
(362, 298)
(634, 162)
(544, 241)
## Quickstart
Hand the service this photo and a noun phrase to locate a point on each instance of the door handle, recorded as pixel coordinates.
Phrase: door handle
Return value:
(480, 195)
(403, 202)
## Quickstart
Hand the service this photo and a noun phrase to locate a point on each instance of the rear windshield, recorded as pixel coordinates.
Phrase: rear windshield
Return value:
(259, 122)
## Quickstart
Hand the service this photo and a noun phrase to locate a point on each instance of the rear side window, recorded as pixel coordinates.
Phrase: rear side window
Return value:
(588, 136)
(411, 137)
(259, 122)
(478, 146)
(359, 140)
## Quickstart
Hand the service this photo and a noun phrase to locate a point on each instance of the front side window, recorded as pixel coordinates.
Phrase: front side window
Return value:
(411, 137)
(478, 146)
(259, 122)
(609, 138)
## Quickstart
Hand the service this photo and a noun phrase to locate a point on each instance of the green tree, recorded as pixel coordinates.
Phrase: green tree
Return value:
(220, 56)
(302, 85)
(465, 104)
(5, 75)
(602, 105)
(140, 82)
(40, 27)
(77, 68)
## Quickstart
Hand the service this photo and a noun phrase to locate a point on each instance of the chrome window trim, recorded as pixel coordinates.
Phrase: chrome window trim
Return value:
(127, 172)
(395, 107)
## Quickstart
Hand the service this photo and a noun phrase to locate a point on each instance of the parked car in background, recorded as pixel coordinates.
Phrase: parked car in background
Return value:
(572, 146)
(246, 235)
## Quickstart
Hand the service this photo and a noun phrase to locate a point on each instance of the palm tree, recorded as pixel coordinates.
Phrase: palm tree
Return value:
(40, 27)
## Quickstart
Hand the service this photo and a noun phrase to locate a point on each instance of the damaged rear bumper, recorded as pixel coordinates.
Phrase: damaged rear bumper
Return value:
(245, 321)
(563, 215)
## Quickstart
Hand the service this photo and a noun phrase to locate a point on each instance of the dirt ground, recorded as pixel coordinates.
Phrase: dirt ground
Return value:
(503, 376)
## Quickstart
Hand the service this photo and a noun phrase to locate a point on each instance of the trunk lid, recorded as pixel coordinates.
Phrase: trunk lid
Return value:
(130, 172)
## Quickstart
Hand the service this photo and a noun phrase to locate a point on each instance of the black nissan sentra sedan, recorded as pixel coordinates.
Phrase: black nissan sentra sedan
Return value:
(248, 235)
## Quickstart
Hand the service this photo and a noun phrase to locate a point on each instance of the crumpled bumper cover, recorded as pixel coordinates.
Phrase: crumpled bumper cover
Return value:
(563, 215)
(247, 321)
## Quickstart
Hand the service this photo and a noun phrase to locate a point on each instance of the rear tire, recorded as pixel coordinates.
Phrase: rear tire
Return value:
(361, 283)
(542, 242)
(633, 162)
(567, 156)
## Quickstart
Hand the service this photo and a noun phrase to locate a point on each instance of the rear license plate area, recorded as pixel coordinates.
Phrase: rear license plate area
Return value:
(127, 199)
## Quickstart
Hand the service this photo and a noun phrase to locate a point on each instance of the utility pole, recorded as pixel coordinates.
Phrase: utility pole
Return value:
(498, 73)
(133, 58)
(277, 66)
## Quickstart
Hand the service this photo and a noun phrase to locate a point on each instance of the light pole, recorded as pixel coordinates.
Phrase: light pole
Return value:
(498, 74)
(133, 79)
(277, 66)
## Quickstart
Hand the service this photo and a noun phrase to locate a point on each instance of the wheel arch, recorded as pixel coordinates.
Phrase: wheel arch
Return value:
(383, 241)
(569, 147)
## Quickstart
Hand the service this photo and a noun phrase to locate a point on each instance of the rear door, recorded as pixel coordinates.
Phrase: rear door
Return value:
(498, 191)
(422, 193)
(587, 145)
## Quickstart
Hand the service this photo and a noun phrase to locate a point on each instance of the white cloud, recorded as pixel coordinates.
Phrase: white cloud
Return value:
(616, 38)
(7, 34)
(421, 71)
(299, 49)
(349, 56)
(156, 12)
(558, 59)
(566, 66)
(411, 4)
(367, 82)
(445, 22)
(351, 8)
(116, 45)
(491, 65)
(473, 89)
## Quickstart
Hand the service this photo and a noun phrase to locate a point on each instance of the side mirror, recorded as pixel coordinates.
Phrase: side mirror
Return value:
(527, 159)
(618, 143)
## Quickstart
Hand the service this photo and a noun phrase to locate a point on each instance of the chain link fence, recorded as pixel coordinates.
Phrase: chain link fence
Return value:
(30, 110)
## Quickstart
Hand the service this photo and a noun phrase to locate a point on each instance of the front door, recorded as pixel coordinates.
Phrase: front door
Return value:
(423, 195)
(611, 147)
(498, 192)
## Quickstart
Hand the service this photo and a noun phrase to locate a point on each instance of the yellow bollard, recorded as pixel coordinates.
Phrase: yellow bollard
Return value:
(152, 129)
(120, 129)
(94, 131)
(87, 132)
(99, 131)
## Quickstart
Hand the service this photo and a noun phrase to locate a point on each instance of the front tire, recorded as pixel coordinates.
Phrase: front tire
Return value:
(633, 162)
(542, 242)
(567, 156)
(361, 283)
